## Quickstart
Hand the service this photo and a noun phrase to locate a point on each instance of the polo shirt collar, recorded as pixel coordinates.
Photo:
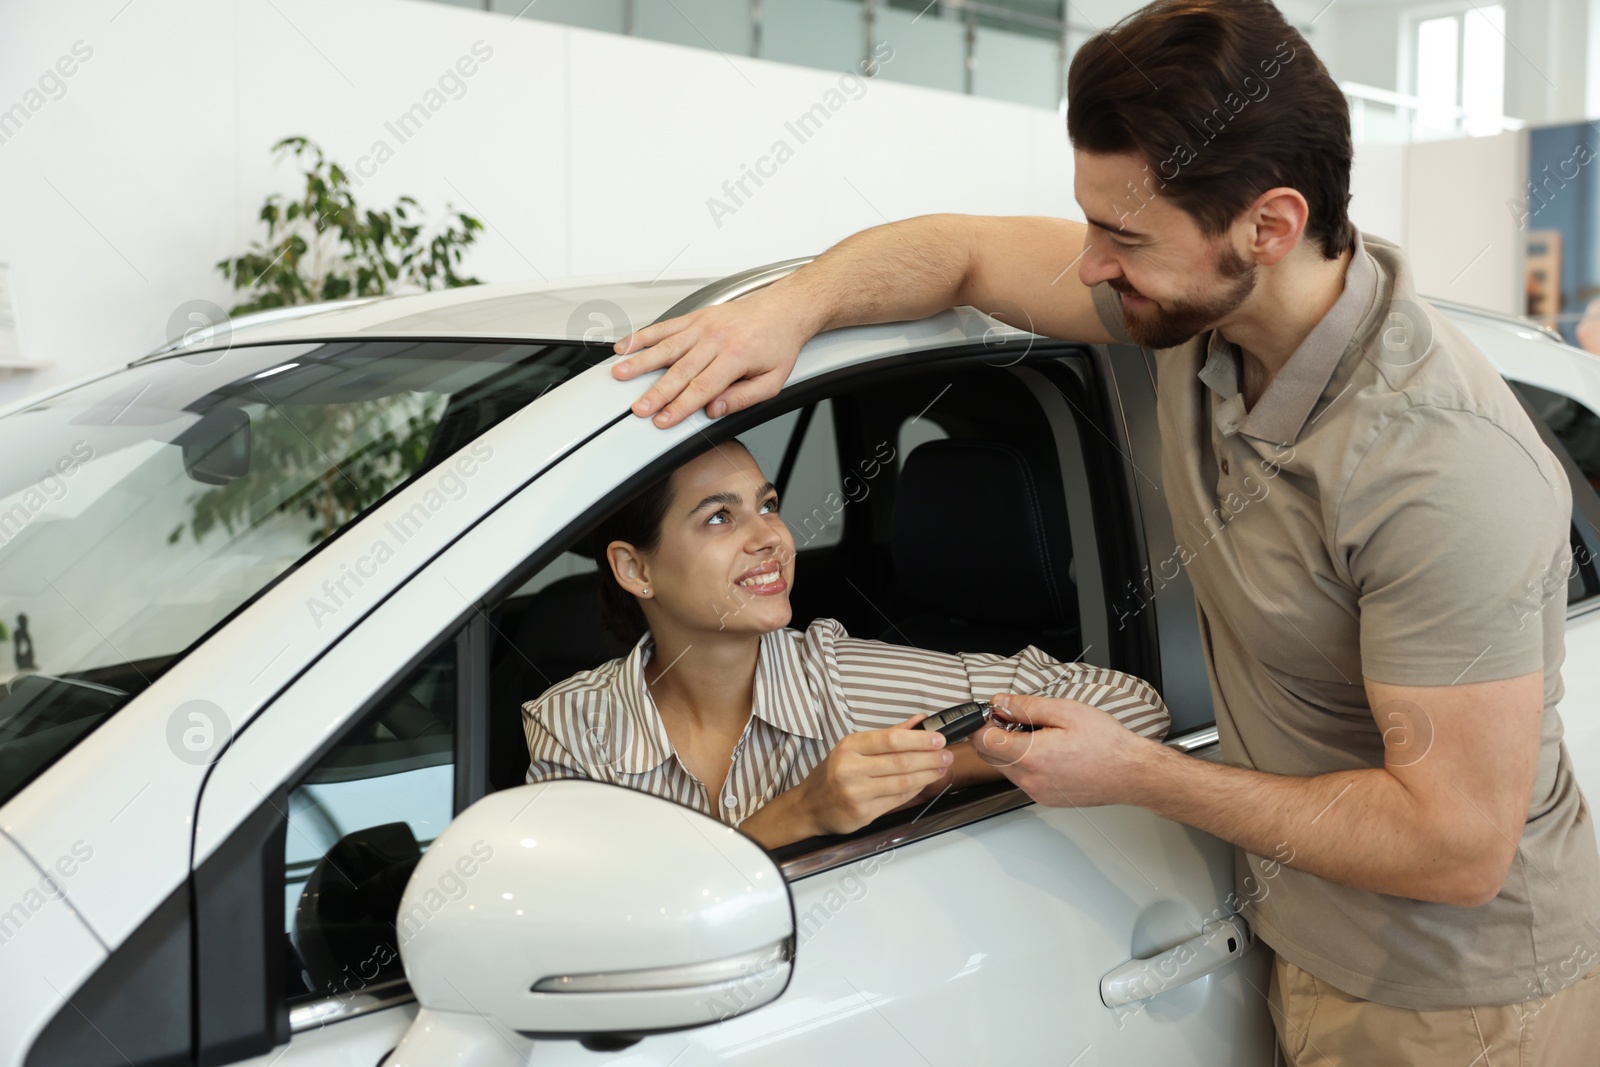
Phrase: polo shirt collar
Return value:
(1281, 411)
(783, 699)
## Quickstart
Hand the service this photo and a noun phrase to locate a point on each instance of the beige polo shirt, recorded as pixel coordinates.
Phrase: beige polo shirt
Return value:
(1386, 510)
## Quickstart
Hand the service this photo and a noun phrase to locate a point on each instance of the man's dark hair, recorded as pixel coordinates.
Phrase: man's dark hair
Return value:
(1224, 100)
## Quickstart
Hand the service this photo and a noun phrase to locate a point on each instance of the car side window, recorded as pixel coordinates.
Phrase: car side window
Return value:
(1577, 429)
(358, 821)
(769, 441)
(1573, 424)
(811, 488)
(568, 565)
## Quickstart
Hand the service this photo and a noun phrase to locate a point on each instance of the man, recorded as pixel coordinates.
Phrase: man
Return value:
(1381, 627)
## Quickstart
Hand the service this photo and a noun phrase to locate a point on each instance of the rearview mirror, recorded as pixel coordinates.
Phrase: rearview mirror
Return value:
(216, 449)
(580, 910)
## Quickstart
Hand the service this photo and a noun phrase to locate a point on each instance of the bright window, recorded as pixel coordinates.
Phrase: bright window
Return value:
(1460, 68)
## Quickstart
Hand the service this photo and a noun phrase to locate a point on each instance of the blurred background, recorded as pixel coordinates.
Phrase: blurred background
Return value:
(555, 139)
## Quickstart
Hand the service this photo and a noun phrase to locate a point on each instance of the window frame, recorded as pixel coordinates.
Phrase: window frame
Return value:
(1066, 365)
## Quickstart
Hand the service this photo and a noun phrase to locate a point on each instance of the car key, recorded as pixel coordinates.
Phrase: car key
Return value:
(957, 722)
(1011, 725)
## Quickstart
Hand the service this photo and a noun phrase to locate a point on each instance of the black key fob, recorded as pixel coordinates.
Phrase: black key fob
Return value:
(957, 722)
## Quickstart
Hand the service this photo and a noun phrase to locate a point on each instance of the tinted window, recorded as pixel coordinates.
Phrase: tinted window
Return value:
(812, 492)
(358, 822)
(1574, 425)
(1577, 429)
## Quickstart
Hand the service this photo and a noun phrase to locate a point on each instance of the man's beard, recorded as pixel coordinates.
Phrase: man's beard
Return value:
(1158, 327)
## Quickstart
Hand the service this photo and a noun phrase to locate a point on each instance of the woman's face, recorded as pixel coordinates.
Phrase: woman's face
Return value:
(725, 562)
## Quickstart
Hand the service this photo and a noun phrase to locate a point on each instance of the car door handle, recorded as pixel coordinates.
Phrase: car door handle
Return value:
(1220, 942)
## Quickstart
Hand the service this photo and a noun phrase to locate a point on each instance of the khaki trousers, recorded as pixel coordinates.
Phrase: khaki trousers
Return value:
(1321, 1026)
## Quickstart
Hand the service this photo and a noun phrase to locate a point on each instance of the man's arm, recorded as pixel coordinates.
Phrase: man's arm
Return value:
(1020, 269)
(1440, 821)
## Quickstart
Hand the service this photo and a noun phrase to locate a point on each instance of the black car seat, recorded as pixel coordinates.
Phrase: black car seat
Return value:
(982, 556)
(540, 640)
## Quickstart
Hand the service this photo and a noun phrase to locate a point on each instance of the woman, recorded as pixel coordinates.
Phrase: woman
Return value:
(721, 707)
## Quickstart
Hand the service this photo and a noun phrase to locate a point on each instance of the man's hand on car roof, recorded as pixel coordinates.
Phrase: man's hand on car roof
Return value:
(723, 358)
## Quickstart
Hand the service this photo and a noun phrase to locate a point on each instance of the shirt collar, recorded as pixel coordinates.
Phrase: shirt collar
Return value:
(784, 699)
(1282, 409)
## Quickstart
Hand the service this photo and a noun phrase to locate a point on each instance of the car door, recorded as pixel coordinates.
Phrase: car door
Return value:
(977, 932)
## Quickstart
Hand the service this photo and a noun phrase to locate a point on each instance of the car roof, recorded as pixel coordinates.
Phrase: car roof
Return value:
(595, 308)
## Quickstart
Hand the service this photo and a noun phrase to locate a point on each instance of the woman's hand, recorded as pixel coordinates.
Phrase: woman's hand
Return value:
(871, 772)
(867, 775)
(968, 768)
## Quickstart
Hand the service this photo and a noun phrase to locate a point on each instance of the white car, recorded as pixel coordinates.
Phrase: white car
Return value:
(287, 584)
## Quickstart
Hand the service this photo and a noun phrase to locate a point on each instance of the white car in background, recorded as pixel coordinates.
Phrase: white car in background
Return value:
(288, 584)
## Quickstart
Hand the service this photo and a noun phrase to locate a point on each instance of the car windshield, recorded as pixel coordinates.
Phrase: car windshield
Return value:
(139, 511)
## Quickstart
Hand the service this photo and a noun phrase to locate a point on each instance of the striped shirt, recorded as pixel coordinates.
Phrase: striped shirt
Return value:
(811, 689)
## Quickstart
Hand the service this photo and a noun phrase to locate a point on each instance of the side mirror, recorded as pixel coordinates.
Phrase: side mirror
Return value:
(579, 910)
(344, 919)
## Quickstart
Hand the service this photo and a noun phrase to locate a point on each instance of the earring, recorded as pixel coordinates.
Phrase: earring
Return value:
(645, 591)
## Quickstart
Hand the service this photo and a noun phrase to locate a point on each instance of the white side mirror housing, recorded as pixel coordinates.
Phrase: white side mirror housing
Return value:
(575, 909)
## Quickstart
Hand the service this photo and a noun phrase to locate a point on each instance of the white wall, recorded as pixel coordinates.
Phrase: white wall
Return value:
(1464, 243)
(585, 152)
(1367, 40)
(1546, 59)
(1547, 53)
(1377, 190)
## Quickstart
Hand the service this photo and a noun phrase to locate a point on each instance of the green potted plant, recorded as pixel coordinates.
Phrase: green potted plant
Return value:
(322, 245)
